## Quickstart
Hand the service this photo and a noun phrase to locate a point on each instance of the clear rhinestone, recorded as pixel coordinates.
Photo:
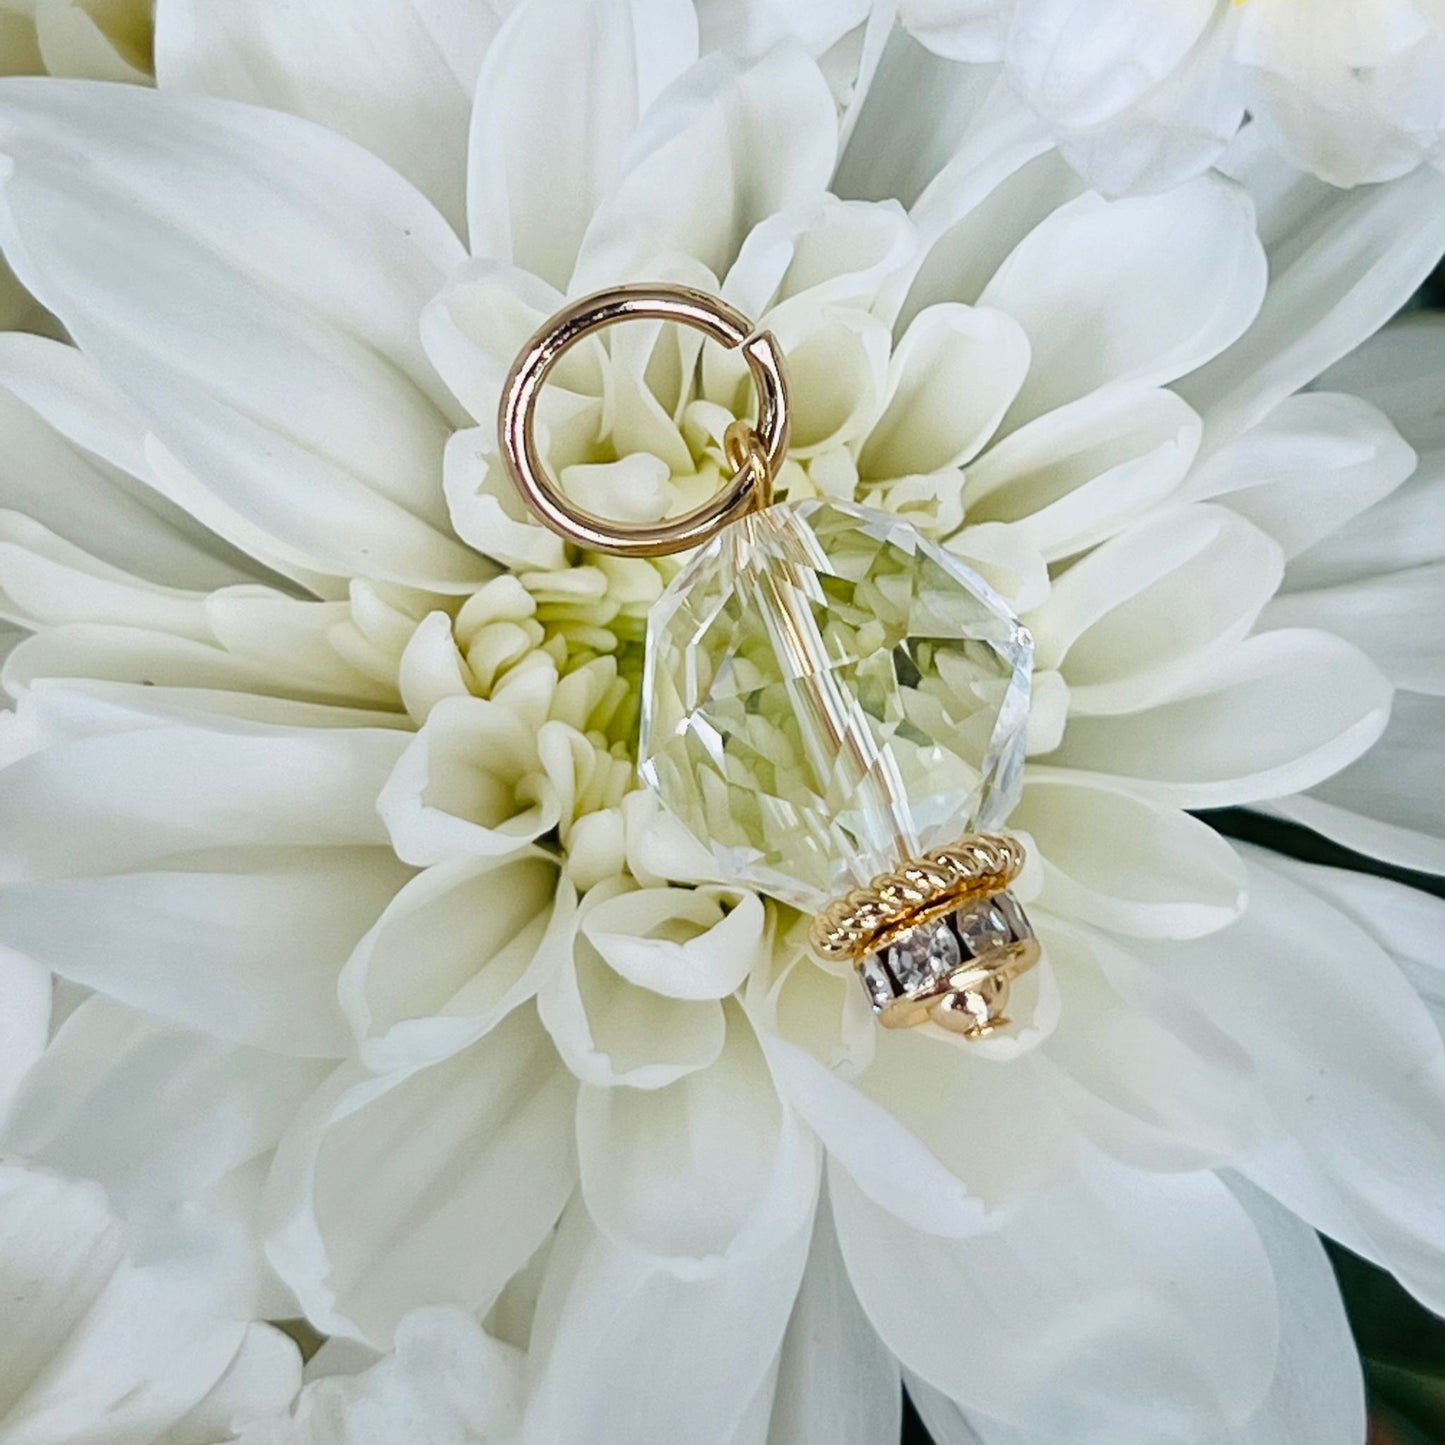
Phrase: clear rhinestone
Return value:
(989, 924)
(827, 694)
(877, 981)
(924, 955)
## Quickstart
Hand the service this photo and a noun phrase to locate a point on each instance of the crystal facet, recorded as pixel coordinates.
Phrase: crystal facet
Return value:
(827, 694)
(983, 926)
(923, 956)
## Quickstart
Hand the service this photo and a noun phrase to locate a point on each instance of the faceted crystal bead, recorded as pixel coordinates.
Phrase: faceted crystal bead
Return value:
(828, 694)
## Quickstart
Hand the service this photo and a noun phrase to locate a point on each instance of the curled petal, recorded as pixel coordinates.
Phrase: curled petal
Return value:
(683, 943)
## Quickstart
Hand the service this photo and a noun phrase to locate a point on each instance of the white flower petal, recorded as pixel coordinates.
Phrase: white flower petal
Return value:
(660, 849)
(837, 367)
(558, 102)
(1352, 1072)
(1341, 264)
(1400, 369)
(397, 79)
(693, 943)
(836, 1381)
(1070, 478)
(635, 488)
(1163, 873)
(447, 1383)
(431, 667)
(706, 1171)
(261, 1381)
(971, 1106)
(1362, 106)
(718, 119)
(749, 27)
(456, 950)
(1318, 1393)
(888, 1161)
(87, 708)
(1408, 923)
(1002, 555)
(215, 873)
(428, 1186)
(240, 638)
(969, 30)
(1133, 622)
(1158, 1087)
(200, 702)
(98, 1346)
(1082, 61)
(898, 149)
(24, 1020)
(250, 952)
(1176, 130)
(1390, 803)
(45, 581)
(318, 419)
(487, 512)
(1001, 185)
(611, 1325)
(1142, 290)
(917, 1133)
(10, 638)
(1307, 469)
(470, 782)
(196, 778)
(154, 1112)
(475, 327)
(1123, 1305)
(609, 1031)
(1381, 615)
(76, 653)
(62, 420)
(821, 252)
(953, 375)
(1405, 529)
(1326, 702)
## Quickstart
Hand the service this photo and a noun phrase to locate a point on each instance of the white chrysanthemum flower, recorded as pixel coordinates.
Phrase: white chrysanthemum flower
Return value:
(1140, 96)
(382, 976)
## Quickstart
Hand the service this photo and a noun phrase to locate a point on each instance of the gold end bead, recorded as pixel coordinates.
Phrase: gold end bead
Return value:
(938, 939)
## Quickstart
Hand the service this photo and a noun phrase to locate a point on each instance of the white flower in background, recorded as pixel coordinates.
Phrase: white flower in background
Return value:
(387, 999)
(1140, 96)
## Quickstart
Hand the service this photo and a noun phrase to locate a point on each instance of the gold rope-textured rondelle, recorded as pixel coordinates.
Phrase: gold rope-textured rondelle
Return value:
(862, 920)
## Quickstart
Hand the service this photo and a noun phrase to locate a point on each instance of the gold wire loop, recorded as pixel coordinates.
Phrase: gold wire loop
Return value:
(755, 452)
(744, 448)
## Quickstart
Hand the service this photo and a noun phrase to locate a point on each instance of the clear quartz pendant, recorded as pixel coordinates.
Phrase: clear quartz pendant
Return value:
(828, 693)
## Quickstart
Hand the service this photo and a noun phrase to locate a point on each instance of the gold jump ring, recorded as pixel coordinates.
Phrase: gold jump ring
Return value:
(756, 457)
